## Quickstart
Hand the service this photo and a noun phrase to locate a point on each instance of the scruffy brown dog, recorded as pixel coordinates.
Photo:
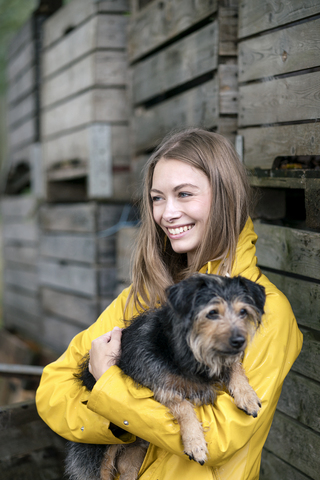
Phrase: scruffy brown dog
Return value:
(184, 351)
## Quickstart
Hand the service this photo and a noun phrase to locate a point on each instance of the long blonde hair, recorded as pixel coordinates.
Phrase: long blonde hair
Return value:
(155, 265)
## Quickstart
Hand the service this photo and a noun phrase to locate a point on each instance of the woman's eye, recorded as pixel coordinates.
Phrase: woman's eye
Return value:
(155, 199)
(184, 194)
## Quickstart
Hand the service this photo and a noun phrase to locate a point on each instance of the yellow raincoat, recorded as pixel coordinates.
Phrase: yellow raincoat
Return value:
(235, 440)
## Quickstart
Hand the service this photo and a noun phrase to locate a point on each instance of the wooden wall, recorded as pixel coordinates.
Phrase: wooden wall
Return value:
(279, 111)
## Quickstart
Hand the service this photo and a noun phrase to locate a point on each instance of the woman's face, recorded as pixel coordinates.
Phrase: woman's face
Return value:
(181, 197)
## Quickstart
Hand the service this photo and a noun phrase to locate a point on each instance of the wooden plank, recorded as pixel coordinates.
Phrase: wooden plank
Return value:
(96, 105)
(20, 371)
(24, 85)
(228, 29)
(100, 32)
(262, 145)
(19, 112)
(287, 249)
(58, 333)
(107, 280)
(295, 444)
(100, 182)
(197, 106)
(80, 310)
(286, 99)
(304, 297)
(288, 50)
(308, 362)
(108, 215)
(102, 68)
(258, 15)
(272, 468)
(23, 323)
(26, 232)
(300, 400)
(23, 37)
(26, 279)
(22, 301)
(22, 135)
(228, 89)
(25, 254)
(24, 58)
(18, 207)
(126, 239)
(158, 23)
(81, 248)
(68, 218)
(68, 277)
(76, 145)
(186, 59)
(72, 15)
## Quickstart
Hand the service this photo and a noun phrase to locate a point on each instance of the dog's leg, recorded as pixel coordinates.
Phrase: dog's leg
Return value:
(244, 396)
(131, 458)
(108, 466)
(191, 430)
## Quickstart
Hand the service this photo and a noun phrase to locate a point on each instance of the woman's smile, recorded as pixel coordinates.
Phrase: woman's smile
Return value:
(181, 198)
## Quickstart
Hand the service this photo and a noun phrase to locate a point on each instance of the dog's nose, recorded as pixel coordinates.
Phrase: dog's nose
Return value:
(237, 341)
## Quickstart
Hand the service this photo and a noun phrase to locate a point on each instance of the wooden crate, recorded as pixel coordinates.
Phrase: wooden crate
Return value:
(291, 259)
(77, 268)
(125, 241)
(85, 103)
(279, 106)
(183, 70)
(20, 238)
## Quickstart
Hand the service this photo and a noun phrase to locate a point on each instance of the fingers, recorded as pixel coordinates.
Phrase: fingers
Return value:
(104, 352)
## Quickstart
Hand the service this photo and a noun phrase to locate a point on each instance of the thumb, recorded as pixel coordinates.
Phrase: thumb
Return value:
(116, 334)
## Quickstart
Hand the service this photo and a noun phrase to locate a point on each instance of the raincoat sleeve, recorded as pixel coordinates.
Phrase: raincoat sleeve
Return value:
(61, 402)
(227, 429)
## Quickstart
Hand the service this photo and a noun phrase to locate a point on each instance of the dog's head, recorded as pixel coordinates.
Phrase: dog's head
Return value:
(219, 313)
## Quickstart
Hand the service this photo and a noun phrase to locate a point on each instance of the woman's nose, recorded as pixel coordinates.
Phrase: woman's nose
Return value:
(171, 212)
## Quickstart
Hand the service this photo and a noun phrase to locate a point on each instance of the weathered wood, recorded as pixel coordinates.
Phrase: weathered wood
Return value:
(22, 322)
(20, 232)
(81, 248)
(78, 309)
(23, 135)
(258, 15)
(72, 15)
(280, 100)
(102, 68)
(108, 215)
(68, 277)
(23, 85)
(24, 301)
(68, 218)
(97, 105)
(24, 58)
(21, 111)
(272, 468)
(289, 250)
(18, 207)
(308, 362)
(107, 281)
(312, 204)
(23, 37)
(287, 50)
(26, 279)
(20, 370)
(159, 22)
(100, 31)
(57, 333)
(126, 239)
(228, 89)
(181, 62)
(300, 400)
(263, 145)
(228, 29)
(304, 297)
(295, 444)
(196, 107)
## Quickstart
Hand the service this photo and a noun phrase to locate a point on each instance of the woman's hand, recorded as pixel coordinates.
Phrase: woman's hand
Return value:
(104, 352)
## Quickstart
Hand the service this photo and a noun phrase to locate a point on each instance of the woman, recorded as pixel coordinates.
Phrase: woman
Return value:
(195, 217)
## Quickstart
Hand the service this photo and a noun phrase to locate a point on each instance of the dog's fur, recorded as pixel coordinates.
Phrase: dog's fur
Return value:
(184, 351)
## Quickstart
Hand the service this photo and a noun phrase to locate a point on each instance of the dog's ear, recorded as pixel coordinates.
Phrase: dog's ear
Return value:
(257, 293)
(181, 296)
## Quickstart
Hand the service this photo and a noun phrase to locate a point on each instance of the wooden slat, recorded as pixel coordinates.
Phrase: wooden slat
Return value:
(102, 68)
(75, 13)
(258, 15)
(186, 59)
(57, 333)
(68, 277)
(228, 89)
(24, 85)
(23, 323)
(21, 111)
(24, 301)
(283, 51)
(97, 105)
(23, 37)
(198, 106)
(157, 23)
(81, 248)
(126, 239)
(26, 279)
(228, 28)
(102, 31)
(23, 135)
(304, 297)
(263, 144)
(68, 218)
(20, 371)
(80, 310)
(77, 145)
(20, 206)
(272, 468)
(20, 254)
(26, 232)
(300, 400)
(295, 444)
(289, 250)
(24, 58)
(286, 99)
(308, 362)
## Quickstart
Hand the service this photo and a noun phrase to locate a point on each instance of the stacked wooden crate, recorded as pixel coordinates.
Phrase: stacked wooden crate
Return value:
(21, 304)
(279, 112)
(77, 267)
(85, 110)
(184, 69)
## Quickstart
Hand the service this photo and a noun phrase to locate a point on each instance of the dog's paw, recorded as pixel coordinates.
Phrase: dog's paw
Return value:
(249, 403)
(197, 451)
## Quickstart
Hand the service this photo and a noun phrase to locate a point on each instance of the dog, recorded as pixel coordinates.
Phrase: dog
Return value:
(184, 351)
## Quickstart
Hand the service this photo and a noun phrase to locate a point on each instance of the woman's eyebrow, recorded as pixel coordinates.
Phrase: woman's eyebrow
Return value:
(183, 185)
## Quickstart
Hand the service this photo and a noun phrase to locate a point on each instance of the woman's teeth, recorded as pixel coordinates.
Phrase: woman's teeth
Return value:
(175, 231)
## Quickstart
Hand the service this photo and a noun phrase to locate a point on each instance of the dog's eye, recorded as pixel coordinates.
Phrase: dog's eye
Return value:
(212, 314)
(243, 312)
